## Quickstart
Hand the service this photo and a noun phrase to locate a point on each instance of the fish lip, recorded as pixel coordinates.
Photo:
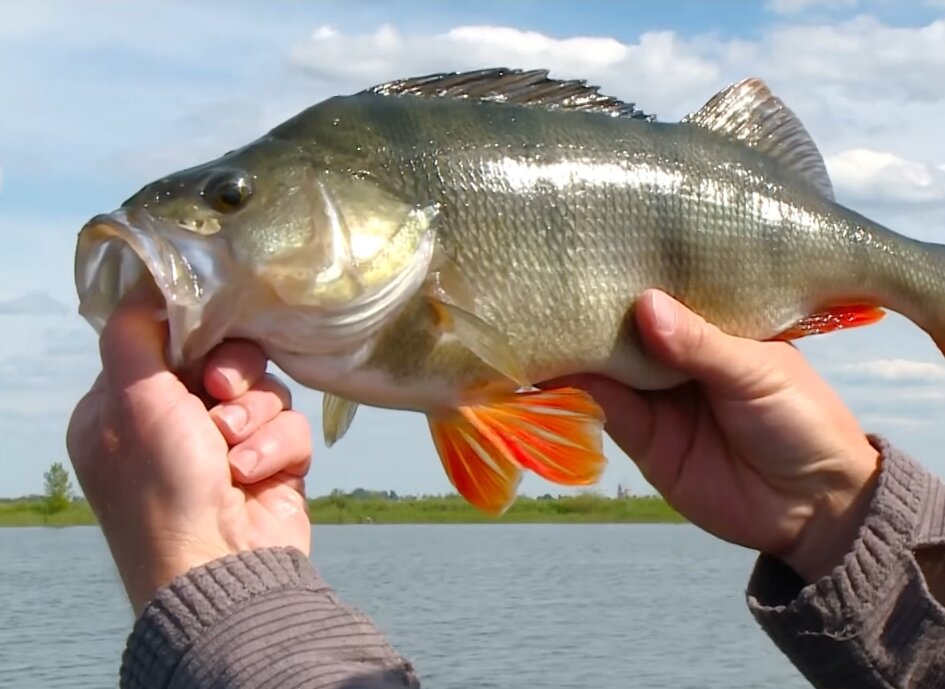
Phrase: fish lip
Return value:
(116, 251)
(104, 269)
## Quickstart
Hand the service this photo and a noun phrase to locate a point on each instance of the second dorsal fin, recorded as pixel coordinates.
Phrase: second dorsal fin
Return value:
(748, 112)
(521, 87)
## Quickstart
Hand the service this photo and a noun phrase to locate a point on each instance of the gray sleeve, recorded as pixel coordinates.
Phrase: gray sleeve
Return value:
(875, 621)
(257, 620)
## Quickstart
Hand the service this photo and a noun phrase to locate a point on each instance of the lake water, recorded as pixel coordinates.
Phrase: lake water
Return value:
(473, 606)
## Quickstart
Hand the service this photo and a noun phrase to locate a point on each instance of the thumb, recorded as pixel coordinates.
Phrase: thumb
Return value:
(133, 341)
(683, 340)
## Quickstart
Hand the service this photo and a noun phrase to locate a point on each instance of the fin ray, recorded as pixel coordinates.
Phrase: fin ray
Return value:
(747, 111)
(515, 86)
(337, 415)
(834, 318)
(557, 434)
(481, 339)
(481, 473)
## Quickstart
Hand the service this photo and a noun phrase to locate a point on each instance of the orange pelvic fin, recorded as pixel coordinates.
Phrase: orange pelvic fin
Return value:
(555, 433)
(834, 318)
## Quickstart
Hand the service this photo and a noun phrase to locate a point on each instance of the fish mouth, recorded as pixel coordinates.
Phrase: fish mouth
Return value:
(119, 251)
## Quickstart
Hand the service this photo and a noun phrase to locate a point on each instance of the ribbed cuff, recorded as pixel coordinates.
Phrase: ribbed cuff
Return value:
(183, 610)
(811, 624)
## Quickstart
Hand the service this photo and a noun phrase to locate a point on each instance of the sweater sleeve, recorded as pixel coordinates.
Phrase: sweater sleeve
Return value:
(257, 620)
(875, 620)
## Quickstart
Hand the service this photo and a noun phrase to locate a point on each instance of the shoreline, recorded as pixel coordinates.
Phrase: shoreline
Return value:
(357, 509)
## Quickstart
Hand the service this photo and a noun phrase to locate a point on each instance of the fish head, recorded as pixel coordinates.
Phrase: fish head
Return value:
(272, 243)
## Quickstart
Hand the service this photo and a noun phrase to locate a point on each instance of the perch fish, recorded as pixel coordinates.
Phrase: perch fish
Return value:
(444, 243)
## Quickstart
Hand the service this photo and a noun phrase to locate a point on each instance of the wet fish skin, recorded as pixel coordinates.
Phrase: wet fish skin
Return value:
(409, 249)
(558, 221)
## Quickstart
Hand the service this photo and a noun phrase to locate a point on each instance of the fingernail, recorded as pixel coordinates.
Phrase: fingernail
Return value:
(245, 460)
(234, 416)
(664, 313)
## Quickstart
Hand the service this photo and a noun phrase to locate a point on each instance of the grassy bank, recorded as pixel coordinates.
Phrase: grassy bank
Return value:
(32, 512)
(347, 509)
(454, 510)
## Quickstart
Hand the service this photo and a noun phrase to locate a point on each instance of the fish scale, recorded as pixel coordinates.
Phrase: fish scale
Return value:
(442, 244)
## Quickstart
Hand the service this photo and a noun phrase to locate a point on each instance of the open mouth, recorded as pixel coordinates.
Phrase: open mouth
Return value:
(118, 251)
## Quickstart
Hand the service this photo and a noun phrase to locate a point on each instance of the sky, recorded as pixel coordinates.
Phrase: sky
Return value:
(101, 97)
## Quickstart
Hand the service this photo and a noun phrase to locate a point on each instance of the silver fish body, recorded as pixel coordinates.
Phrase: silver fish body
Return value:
(441, 243)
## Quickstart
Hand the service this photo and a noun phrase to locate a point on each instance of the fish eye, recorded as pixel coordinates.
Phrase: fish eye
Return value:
(228, 192)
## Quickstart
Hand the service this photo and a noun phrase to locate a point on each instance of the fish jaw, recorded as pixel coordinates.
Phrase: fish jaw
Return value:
(211, 294)
(119, 251)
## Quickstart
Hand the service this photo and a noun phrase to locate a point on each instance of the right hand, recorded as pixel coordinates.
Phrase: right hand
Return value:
(176, 484)
(756, 449)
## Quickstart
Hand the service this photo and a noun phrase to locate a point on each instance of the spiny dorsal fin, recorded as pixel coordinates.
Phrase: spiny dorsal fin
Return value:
(521, 87)
(749, 112)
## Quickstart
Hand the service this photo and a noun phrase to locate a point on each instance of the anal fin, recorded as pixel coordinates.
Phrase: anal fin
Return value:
(482, 473)
(556, 434)
(834, 318)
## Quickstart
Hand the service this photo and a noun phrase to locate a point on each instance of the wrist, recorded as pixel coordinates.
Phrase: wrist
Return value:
(838, 515)
(145, 573)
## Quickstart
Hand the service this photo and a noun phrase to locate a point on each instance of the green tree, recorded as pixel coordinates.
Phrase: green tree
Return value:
(58, 488)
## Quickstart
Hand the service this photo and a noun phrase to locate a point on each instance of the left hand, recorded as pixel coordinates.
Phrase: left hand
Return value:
(174, 484)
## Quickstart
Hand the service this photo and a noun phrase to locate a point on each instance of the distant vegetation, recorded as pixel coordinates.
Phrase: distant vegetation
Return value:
(34, 511)
(380, 507)
(362, 506)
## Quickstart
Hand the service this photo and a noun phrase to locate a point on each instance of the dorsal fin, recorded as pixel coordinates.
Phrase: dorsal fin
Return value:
(532, 87)
(748, 112)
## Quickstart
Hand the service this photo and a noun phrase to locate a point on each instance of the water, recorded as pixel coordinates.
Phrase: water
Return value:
(548, 606)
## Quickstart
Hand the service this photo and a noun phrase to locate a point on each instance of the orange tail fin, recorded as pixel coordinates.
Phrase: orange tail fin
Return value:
(834, 318)
(555, 433)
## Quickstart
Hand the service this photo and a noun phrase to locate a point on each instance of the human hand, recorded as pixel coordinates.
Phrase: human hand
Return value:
(173, 484)
(756, 449)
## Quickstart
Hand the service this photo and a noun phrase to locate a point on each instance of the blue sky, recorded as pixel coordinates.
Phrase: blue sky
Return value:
(101, 97)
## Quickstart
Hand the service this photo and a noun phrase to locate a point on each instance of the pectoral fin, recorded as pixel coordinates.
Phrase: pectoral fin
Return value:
(337, 415)
(480, 338)
(557, 434)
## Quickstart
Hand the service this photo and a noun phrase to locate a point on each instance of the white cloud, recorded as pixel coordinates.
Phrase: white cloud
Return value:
(660, 60)
(894, 371)
(34, 302)
(883, 176)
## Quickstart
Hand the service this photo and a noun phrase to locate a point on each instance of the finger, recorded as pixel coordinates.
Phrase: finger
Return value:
(233, 368)
(83, 428)
(133, 341)
(683, 340)
(283, 497)
(243, 416)
(292, 482)
(282, 445)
